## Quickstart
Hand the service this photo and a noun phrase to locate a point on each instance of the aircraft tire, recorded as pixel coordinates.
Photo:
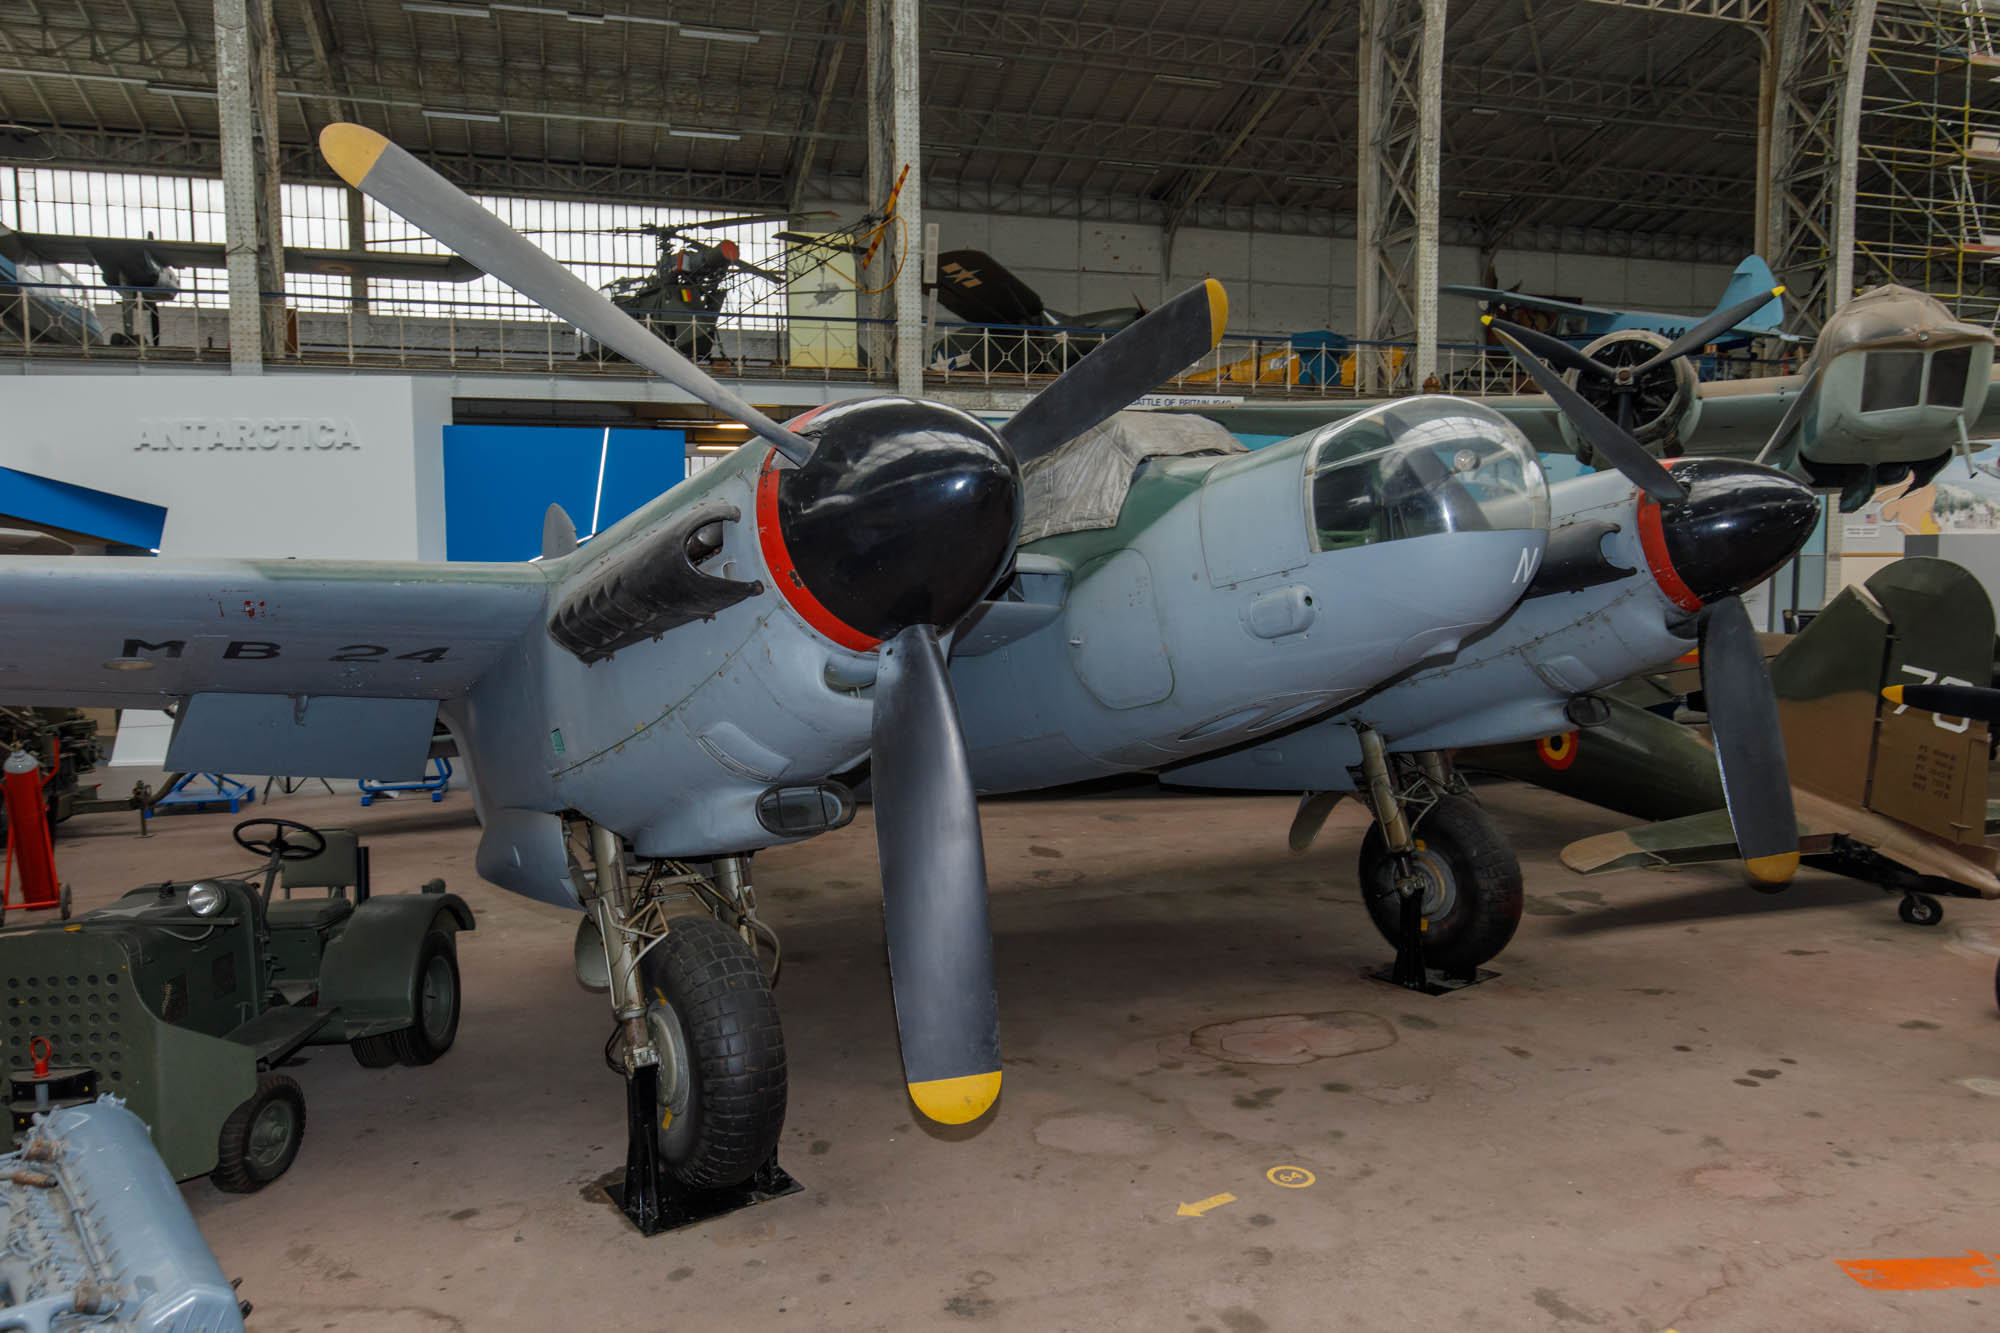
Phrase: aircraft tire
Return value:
(723, 1066)
(1485, 894)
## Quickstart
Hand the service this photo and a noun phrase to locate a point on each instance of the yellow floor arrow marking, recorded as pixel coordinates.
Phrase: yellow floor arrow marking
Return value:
(1198, 1208)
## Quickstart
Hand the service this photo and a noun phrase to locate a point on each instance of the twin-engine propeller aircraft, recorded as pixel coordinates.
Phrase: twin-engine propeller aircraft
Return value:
(1335, 612)
(677, 690)
(1889, 791)
(1891, 390)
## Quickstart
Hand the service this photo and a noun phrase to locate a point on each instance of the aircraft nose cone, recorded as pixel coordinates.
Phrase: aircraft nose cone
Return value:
(904, 515)
(1739, 524)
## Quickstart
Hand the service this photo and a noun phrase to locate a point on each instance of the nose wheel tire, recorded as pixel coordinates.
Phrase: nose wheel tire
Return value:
(261, 1137)
(1920, 909)
(722, 1054)
(1472, 885)
(434, 1003)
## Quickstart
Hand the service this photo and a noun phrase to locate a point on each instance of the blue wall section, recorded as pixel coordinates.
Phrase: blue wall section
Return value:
(58, 504)
(499, 480)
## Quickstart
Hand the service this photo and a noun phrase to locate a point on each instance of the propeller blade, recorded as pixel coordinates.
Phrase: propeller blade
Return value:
(1153, 348)
(1551, 349)
(389, 175)
(1614, 445)
(1702, 334)
(1969, 701)
(1743, 719)
(933, 885)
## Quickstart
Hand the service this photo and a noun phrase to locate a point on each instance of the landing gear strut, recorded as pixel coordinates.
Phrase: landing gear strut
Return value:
(1440, 881)
(697, 1037)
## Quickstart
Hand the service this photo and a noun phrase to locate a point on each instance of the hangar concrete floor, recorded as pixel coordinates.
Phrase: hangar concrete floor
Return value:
(1678, 1107)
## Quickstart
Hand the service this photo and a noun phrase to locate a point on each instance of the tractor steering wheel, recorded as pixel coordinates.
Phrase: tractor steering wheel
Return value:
(278, 846)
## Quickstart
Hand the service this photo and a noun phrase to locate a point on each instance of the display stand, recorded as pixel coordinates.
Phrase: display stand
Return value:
(651, 1199)
(437, 782)
(1409, 970)
(183, 795)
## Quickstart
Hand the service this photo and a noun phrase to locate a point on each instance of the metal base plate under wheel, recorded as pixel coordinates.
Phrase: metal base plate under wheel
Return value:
(1409, 970)
(651, 1199)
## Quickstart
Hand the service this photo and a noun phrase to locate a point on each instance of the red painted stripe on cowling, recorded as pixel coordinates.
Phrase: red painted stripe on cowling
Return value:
(791, 586)
(1653, 541)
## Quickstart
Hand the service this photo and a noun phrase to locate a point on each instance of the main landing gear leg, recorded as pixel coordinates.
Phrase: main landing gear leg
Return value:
(697, 1040)
(1439, 880)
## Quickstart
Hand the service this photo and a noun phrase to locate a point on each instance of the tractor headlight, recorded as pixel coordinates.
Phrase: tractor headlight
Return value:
(206, 898)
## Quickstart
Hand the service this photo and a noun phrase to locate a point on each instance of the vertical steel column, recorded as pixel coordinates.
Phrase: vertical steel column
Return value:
(1822, 58)
(909, 234)
(878, 94)
(357, 240)
(235, 108)
(1396, 228)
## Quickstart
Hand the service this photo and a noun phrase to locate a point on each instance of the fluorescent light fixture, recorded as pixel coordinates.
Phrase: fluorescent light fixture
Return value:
(1313, 180)
(1188, 80)
(448, 9)
(1485, 111)
(181, 90)
(704, 134)
(477, 117)
(700, 449)
(967, 57)
(1482, 194)
(1121, 162)
(1557, 118)
(718, 34)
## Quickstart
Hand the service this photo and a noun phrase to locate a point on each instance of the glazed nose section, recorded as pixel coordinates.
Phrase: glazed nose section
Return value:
(1740, 523)
(905, 514)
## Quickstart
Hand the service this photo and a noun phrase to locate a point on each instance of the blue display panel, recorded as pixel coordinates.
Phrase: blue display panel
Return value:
(112, 519)
(500, 480)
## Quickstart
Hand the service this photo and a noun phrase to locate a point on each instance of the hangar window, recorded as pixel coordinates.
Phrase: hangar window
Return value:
(1948, 371)
(1890, 380)
(1424, 466)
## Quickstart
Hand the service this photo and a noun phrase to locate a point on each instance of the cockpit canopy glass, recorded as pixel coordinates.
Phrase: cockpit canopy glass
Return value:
(1421, 466)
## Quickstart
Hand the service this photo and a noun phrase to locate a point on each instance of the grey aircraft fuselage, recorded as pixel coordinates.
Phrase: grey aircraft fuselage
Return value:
(1153, 663)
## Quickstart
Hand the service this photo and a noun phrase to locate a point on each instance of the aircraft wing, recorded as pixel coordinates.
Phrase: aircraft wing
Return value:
(279, 666)
(1737, 416)
(1497, 297)
(198, 254)
(1690, 840)
(1533, 413)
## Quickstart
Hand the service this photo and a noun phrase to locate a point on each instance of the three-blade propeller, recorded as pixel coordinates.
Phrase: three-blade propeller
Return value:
(933, 864)
(1626, 384)
(1742, 708)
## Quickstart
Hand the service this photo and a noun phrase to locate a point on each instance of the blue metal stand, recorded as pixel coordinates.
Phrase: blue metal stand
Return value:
(435, 783)
(222, 790)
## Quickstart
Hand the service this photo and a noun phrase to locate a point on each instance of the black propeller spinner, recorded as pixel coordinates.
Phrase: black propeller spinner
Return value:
(1710, 529)
(894, 519)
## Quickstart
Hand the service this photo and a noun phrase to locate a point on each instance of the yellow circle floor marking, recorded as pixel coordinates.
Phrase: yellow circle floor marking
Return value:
(1290, 1177)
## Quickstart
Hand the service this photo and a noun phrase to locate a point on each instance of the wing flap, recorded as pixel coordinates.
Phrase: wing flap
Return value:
(128, 632)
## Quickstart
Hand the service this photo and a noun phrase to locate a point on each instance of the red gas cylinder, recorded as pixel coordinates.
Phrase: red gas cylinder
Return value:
(28, 845)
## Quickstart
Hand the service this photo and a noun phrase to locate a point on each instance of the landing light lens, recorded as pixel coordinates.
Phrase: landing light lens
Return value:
(205, 898)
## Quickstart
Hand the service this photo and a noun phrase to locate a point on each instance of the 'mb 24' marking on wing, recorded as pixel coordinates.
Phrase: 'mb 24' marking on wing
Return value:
(263, 650)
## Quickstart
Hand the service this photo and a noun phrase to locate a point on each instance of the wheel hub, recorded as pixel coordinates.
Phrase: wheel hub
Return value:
(269, 1133)
(676, 1067)
(1440, 888)
(435, 999)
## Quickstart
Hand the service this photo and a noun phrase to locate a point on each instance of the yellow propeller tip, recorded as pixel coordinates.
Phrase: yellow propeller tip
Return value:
(351, 150)
(1778, 869)
(1486, 319)
(1778, 290)
(1894, 694)
(956, 1101)
(1218, 319)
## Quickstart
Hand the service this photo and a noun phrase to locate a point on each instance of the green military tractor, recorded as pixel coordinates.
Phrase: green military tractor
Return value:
(185, 998)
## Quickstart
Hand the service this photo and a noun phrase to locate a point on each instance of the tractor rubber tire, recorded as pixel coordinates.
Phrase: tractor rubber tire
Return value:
(261, 1138)
(435, 999)
(722, 1088)
(1483, 897)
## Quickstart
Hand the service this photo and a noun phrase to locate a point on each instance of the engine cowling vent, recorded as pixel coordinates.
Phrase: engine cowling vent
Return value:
(650, 586)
